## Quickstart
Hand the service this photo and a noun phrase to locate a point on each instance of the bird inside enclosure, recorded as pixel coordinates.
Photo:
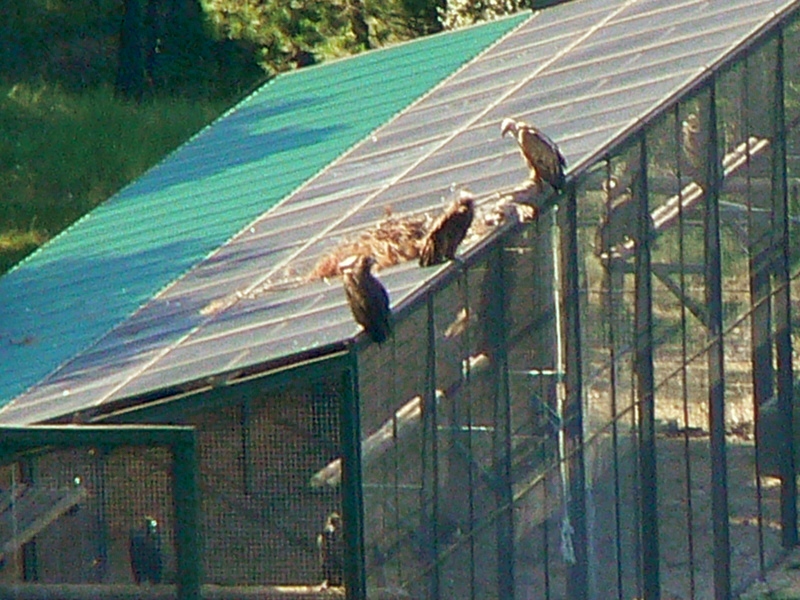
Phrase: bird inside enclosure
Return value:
(145, 552)
(448, 231)
(693, 146)
(619, 223)
(331, 551)
(367, 297)
(541, 154)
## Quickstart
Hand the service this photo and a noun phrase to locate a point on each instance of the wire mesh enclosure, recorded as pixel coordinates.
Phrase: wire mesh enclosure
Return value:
(264, 492)
(98, 512)
(599, 404)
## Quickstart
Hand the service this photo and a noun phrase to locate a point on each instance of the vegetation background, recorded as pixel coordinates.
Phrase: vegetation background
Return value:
(94, 92)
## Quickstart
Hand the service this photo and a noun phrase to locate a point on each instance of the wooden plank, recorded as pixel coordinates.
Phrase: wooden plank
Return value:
(666, 214)
(32, 512)
(81, 591)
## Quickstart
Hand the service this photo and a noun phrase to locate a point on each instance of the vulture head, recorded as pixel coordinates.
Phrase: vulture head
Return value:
(508, 126)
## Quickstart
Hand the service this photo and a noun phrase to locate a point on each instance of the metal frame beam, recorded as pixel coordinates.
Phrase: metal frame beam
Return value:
(180, 440)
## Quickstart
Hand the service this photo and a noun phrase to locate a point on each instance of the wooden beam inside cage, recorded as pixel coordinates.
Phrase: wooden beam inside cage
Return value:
(666, 214)
(27, 510)
(395, 429)
(126, 591)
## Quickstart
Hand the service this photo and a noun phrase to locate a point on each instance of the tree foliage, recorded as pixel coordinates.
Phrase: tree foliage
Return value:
(460, 13)
(290, 33)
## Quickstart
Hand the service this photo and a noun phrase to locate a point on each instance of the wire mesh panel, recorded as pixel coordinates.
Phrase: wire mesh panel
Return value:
(97, 512)
(270, 476)
(392, 388)
(476, 487)
(607, 233)
(535, 417)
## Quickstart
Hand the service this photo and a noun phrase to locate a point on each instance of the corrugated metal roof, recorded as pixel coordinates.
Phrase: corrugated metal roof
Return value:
(586, 72)
(88, 280)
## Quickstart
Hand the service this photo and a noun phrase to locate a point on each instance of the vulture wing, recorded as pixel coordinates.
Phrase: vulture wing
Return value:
(542, 155)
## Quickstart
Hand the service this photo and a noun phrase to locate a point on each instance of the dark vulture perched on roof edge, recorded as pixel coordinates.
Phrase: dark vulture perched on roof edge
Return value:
(448, 231)
(331, 551)
(542, 155)
(367, 297)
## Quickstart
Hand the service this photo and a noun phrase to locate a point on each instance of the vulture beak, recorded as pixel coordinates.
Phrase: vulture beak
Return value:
(507, 125)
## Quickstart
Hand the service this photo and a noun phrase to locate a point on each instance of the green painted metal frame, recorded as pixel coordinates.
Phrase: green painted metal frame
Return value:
(342, 365)
(783, 336)
(716, 358)
(643, 365)
(180, 440)
(501, 436)
(578, 573)
(355, 577)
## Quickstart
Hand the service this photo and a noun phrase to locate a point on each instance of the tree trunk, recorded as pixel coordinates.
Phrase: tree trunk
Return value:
(358, 24)
(130, 69)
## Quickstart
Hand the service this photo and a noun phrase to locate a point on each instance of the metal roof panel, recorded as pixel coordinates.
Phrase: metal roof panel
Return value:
(585, 71)
(88, 280)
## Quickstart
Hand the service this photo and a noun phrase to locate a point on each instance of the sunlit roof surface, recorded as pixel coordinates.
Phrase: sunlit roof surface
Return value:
(587, 72)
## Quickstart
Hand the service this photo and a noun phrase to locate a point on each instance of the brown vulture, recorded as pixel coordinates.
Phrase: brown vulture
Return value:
(145, 552)
(448, 231)
(693, 145)
(619, 223)
(367, 297)
(542, 155)
(331, 551)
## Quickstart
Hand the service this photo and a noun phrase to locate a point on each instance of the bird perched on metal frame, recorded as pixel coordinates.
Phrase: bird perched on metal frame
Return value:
(448, 231)
(145, 552)
(544, 159)
(331, 551)
(367, 297)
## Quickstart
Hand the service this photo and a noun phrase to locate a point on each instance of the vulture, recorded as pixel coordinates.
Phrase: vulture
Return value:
(693, 146)
(367, 297)
(145, 552)
(331, 551)
(544, 159)
(447, 232)
(619, 223)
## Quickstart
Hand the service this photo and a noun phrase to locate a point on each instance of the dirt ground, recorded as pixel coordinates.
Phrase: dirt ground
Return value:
(782, 581)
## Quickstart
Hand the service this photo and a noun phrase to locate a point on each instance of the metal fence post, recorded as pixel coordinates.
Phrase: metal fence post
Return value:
(501, 438)
(783, 340)
(716, 361)
(577, 579)
(429, 492)
(352, 484)
(186, 517)
(643, 364)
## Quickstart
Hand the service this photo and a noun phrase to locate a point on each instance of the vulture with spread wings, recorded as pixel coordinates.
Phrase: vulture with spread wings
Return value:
(367, 297)
(544, 159)
(448, 231)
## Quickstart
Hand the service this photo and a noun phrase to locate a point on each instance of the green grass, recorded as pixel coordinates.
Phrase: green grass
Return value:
(62, 153)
